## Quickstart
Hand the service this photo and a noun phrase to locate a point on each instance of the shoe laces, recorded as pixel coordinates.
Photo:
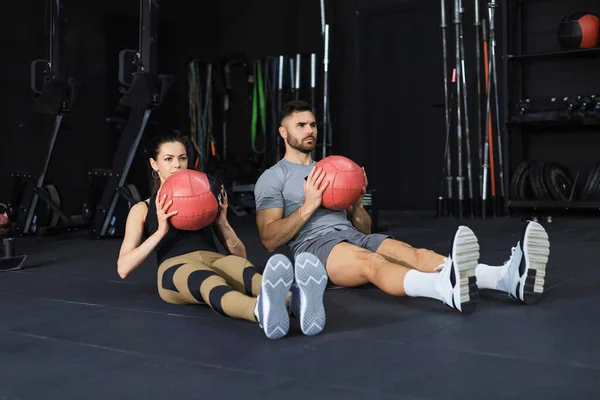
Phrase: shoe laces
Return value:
(512, 253)
(447, 261)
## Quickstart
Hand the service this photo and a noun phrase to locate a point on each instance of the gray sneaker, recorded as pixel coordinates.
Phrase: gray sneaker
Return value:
(277, 279)
(306, 302)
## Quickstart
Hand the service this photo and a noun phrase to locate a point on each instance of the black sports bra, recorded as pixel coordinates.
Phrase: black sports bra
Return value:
(177, 242)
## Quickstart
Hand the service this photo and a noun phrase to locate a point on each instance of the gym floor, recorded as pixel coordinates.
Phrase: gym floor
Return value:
(71, 329)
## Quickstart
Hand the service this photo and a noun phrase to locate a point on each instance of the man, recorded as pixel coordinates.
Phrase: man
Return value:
(288, 204)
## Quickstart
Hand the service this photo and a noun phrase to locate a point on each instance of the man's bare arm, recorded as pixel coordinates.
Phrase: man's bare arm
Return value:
(360, 218)
(276, 231)
(357, 214)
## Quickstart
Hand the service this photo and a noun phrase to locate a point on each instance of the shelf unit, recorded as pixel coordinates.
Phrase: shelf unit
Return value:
(535, 122)
(517, 126)
(595, 52)
(562, 205)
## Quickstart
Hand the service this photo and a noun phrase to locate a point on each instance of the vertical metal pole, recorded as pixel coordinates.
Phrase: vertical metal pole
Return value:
(325, 91)
(444, 204)
(487, 145)
(297, 80)
(505, 48)
(477, 25)
(466, 109)
(492, 16)
(322, 16)
(53, 56)
(149, 35)
(313, 81)
(292, 78)
(460, 180)
(57, 68)
(279, 99)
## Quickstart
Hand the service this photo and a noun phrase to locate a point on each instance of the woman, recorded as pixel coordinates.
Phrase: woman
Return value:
(192, 271)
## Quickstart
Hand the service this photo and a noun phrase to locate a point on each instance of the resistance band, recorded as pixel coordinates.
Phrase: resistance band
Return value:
(258, 105)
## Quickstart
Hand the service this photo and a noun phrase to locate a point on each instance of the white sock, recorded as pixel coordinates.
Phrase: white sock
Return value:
(491, 277)
(421, 284)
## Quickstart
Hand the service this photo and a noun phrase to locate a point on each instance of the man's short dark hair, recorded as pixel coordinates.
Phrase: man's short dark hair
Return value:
(292, 107)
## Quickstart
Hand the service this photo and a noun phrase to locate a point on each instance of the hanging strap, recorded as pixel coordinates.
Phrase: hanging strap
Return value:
(258, 105)
(195, 105)
(207, 122)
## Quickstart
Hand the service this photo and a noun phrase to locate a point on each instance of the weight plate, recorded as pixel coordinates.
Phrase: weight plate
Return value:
(520, 187)
(585, 192)
(588, 181)
(558, 181)
(594, 189)
(536, 180)
(589, 190)
(542, 173)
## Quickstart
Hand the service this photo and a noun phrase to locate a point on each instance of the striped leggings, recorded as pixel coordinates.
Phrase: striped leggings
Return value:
(228, 284)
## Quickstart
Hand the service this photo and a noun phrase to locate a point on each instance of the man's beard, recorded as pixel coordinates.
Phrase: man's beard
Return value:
(301, 145)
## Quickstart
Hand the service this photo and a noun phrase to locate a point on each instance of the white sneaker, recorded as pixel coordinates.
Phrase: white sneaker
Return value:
(527, 264)
(271, 307)
(458, 284)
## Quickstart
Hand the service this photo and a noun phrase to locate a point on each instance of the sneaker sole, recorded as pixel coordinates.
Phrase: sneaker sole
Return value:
(311, 278)
(465, 257)
(277, 280)
(536, 251)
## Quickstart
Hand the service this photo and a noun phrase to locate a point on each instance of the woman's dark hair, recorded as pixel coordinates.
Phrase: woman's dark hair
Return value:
(154, 150)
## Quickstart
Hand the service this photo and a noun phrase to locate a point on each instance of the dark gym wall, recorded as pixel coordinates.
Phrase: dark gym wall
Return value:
(258, 29)
(389, 98)
(21, 45)
(86, 140)
(82, 143)
(205, 31)
(365, 124)
(188, 30)
(386, 81)
(385, 96)
(403, 124)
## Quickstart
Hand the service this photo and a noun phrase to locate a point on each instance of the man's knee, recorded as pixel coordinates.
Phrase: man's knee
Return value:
(372, 262)
(427, 259)
(420, 254)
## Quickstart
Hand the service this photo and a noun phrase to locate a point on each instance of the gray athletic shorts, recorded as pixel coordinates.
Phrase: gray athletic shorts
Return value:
(322, 245)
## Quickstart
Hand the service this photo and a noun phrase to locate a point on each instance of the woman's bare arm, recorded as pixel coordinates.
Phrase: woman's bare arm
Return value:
(230, 240)
(133, 252)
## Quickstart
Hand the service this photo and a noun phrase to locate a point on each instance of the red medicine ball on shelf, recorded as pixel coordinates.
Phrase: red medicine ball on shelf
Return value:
(580, 30)
(346, 181)
(193, 197)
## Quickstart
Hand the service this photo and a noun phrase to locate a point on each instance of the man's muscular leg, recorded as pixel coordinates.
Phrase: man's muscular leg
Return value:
(401, 253)
(351, 266)
(454, 284)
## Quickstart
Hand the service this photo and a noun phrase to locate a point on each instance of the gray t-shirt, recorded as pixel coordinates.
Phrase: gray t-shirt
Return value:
(282, 186)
